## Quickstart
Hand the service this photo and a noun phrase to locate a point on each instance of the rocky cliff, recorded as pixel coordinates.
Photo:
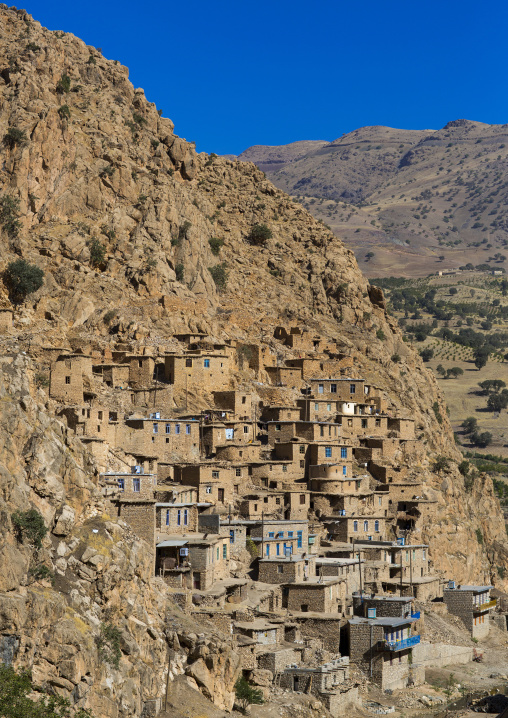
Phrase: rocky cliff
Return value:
(89, 165)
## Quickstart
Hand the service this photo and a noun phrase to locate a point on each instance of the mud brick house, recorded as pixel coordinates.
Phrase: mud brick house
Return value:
(194, 560)
(286, 569)
(338, 388)
(280, 414)
(176, 493)
(299, 339)
(405, 428)
(473, 605)
(239, 403)
(93, 420)
(296, 504)
(237, 452)
(361, 503)
(141, 369)
(285, 376)
(70, 375)
(205, 370)
(381, 648)
(167, 438)
(215, 483)
(314, 595)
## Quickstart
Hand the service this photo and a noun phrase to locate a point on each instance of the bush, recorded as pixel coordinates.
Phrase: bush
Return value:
(250, 545)
(437, 413)
(108, 644)
(179, 272)
(64, 112)
(42, 573)
(381, 335)
(9, 213)
(396, 358)
(479, 536)
(440, 464)
(427, 354)
(63, 84)
(216, 245)
(97, 252)
(107, 171)
(23, 279)
(470, 425)
(30, 525)
(246, 694)
(109, 316)
(14, 137)
(260, 234)
(219, 275)
(482, 439)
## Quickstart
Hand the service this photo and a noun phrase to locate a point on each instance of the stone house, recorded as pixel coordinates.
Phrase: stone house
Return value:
(93, 420)
(129, 486)
(296, 504)
(381, 648)
(217, 434)
(205, 370)
(238, 403)
(270, 504)
(328, 682)
(280, 414)
(315, 594)
(361, 503)
(347, 569)
(194, 560)
(175, 518)
(216, 483)
(285, 376)
(339, 388)
(286, 569)
(277, 537)
(311, 431)
(351, 529)
(139, 513)
(473, 605)
(262, 632)
(70, 375)
(168, 439)
(279, 474)
(372, 606)
(405, 428)
(113, 375)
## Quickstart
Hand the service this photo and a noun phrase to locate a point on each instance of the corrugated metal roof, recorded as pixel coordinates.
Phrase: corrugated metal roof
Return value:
(172, 543)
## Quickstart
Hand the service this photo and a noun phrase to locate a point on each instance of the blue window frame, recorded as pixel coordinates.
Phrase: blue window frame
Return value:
(343, 453)
(299, 539)
(290, 534)
(177, 428)
(355, 525)
(344, 471)
(277, 549)
(168, 428)
(121, 484)
(167, 517)
(352, 388)
(136, 485)
(207, 363)
(328, 452)
(267, 551)
(231, 536)
(185, 517)
(187, 428)
(271, 534)
(155, 428)
(376, 526)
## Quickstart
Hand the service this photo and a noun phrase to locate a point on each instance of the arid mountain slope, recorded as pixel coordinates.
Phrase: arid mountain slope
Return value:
(88, 164)
(410, 197)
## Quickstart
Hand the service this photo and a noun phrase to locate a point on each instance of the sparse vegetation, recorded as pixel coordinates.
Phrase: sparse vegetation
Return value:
(64, 84)
(216, 245)
(108, 644)
(97, 252)
(30, 526)
(219, 275)
(179, 272)
(14, 137)
(9, 214)
(247, 694)
(64, 112)
(260, 234)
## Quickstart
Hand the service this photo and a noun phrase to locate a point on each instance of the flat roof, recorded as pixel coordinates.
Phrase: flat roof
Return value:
(384, 621)
(476, 589)
(317, 581)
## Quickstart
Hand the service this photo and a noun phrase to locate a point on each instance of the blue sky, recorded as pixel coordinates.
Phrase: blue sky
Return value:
(234, 74)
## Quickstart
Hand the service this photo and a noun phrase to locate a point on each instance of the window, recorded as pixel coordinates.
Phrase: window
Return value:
(208, 490)
(121, 484)
(99, 415)
(299, 539)
(238, 472)
(376, 526)
(245, 429)
(244, 399)
(140, 363)
(302, 463)
(187, 428)
(271, 534)
(328, 407)
(168, 428)
(267, 550)
(277, 501)
(328, 452)
(67, 380)
(136, 486)
(217, 553)
(316, 406)
(177, 428)
(231, 536)
(364, 423)
(352, 388)
(378, 422)
(321, 430)
(355, 525)
(277, 549)
(380, 500)
(424, 555)
(235, 488)
(290, 534)
(155, 428)
(178, 517)
(277, 427)
(321, 388)
(255, 507)
(344, 471)
(185, 517)
(284, 467)
(333, 388)
(206, 363)
(302, 449)
(224, 550)
(343, 452)
(280, 569)
(365, 525)
(302, 499)
(188, 362)
(167, 517)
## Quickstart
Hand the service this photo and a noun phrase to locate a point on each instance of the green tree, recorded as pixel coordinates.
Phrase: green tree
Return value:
(496, 402)
(15, 136)
(9, 213)
(97, 252)
(30, 526)
(108, 644)
(22, 279)
(220, 276)
(427, 354)
(470, 425)
(246, 694)
(440, 464)
(480, 357)
(482, 439)
(454, 372)
(260, 234)
(216, 245)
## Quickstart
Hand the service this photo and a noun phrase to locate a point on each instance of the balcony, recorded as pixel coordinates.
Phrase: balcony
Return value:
(485, 606)
(399, 645)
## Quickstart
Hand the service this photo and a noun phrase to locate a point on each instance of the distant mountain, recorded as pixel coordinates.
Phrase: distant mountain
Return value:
(409, 197)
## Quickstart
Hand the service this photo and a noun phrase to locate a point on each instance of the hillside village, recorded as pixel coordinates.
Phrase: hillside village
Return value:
(295, 524)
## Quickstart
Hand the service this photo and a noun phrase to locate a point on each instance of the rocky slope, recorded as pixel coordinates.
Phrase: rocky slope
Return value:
(93, 160)
(408, 196)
